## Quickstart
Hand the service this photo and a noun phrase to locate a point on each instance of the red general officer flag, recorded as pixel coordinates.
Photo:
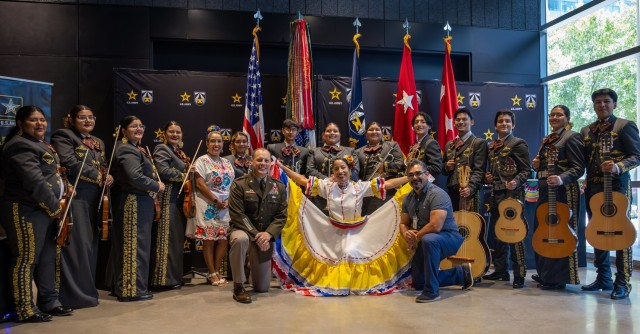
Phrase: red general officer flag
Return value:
(448, 99)
(406, 101)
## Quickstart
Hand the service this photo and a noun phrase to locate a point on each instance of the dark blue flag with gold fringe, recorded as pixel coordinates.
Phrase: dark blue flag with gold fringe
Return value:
(356, 120)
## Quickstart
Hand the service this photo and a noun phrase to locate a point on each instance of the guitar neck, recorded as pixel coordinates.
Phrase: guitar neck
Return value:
(551, 194)
(608, 197)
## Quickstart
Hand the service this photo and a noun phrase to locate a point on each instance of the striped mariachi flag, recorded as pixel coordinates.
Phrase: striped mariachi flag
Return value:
(356, 107)
(253, 124)
(299, 87)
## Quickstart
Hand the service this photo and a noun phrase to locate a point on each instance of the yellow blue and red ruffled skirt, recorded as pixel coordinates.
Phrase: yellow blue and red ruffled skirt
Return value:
(317, 257)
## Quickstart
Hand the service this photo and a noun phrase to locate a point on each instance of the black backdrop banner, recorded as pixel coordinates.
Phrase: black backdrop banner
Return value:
(199, 99)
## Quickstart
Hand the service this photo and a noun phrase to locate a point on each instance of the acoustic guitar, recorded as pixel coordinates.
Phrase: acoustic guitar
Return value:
(553, 238)
(511, 226)
(609, 228)
(471, 226)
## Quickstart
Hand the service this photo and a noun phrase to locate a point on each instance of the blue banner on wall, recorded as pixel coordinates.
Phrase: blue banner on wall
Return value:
(15, 93)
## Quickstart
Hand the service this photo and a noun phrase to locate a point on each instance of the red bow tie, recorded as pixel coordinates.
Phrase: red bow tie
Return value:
(242, 161)
(91, 144)
(496, 144)
(373, 149)
(53, 150)
(290, 150)
(457, 143)
(550, 138)
(332, 149)
(600, 126)
(144, 152)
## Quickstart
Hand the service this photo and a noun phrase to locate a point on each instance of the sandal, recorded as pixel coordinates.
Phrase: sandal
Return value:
(220, 282)
(211, 279)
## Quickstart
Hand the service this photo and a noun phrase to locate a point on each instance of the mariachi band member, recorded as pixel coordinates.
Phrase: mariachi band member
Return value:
(172, 164)
(379, 158)
(290, 154)
(79, 259)
(467, 150)
(240, 157)
(31, 207)
(321, 159)
(133, 194)
(425, 149)
(625, 156)
(507, 145)
(554, 274)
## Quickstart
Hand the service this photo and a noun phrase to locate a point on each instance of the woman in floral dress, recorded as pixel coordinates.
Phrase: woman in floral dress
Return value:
(214, 175)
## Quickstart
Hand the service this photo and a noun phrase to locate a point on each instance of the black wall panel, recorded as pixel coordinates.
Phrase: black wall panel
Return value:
(114, 31)
(171, 23)
(38, 29)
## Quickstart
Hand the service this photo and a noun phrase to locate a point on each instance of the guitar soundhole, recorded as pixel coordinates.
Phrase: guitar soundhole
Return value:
(553, 219)
(464, 231)
(608, 210)
(510, 213)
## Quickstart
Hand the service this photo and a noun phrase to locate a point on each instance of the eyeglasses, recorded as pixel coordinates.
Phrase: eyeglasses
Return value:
(412, 175)
(136, 126)
(86, 117)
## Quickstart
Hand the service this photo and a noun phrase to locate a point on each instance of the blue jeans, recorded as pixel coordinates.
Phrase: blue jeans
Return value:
(426, 273)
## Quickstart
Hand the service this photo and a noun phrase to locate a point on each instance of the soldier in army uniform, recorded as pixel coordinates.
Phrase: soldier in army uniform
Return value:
(258, 209)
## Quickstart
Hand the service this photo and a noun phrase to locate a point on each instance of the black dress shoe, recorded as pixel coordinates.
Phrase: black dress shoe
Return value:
(60, 311)
(145, 296)
(467, 276)
(496, 276)
(38, 317)
(552, 286)
(620, 291)
(518, 282)
(537, 278)
(597, 286)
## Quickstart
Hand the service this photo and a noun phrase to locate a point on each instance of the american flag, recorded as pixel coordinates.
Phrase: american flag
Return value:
(253, 124)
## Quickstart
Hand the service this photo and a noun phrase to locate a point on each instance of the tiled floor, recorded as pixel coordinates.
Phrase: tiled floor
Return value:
(489, 308)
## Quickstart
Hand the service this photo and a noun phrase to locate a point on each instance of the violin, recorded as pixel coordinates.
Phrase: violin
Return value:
(106, 209)
(189, 204)
(156, 199)
(104, 204)
(189, 186)
(66, 222)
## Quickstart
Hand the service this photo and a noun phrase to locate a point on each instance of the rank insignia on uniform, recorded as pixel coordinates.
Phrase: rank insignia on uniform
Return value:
(250, 191)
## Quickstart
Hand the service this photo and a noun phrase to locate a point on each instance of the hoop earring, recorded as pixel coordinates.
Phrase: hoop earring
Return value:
(180, 145)
(124, 140)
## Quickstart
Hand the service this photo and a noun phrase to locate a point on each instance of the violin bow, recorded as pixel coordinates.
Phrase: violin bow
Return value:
(187, 174)
(113, 151)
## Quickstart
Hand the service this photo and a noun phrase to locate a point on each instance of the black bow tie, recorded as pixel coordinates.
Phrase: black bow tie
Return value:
(496, 144)
(332, 149)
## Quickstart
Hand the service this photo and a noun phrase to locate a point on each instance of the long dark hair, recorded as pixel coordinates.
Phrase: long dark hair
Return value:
(22, 115)
(73, 113)
(124, 123)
